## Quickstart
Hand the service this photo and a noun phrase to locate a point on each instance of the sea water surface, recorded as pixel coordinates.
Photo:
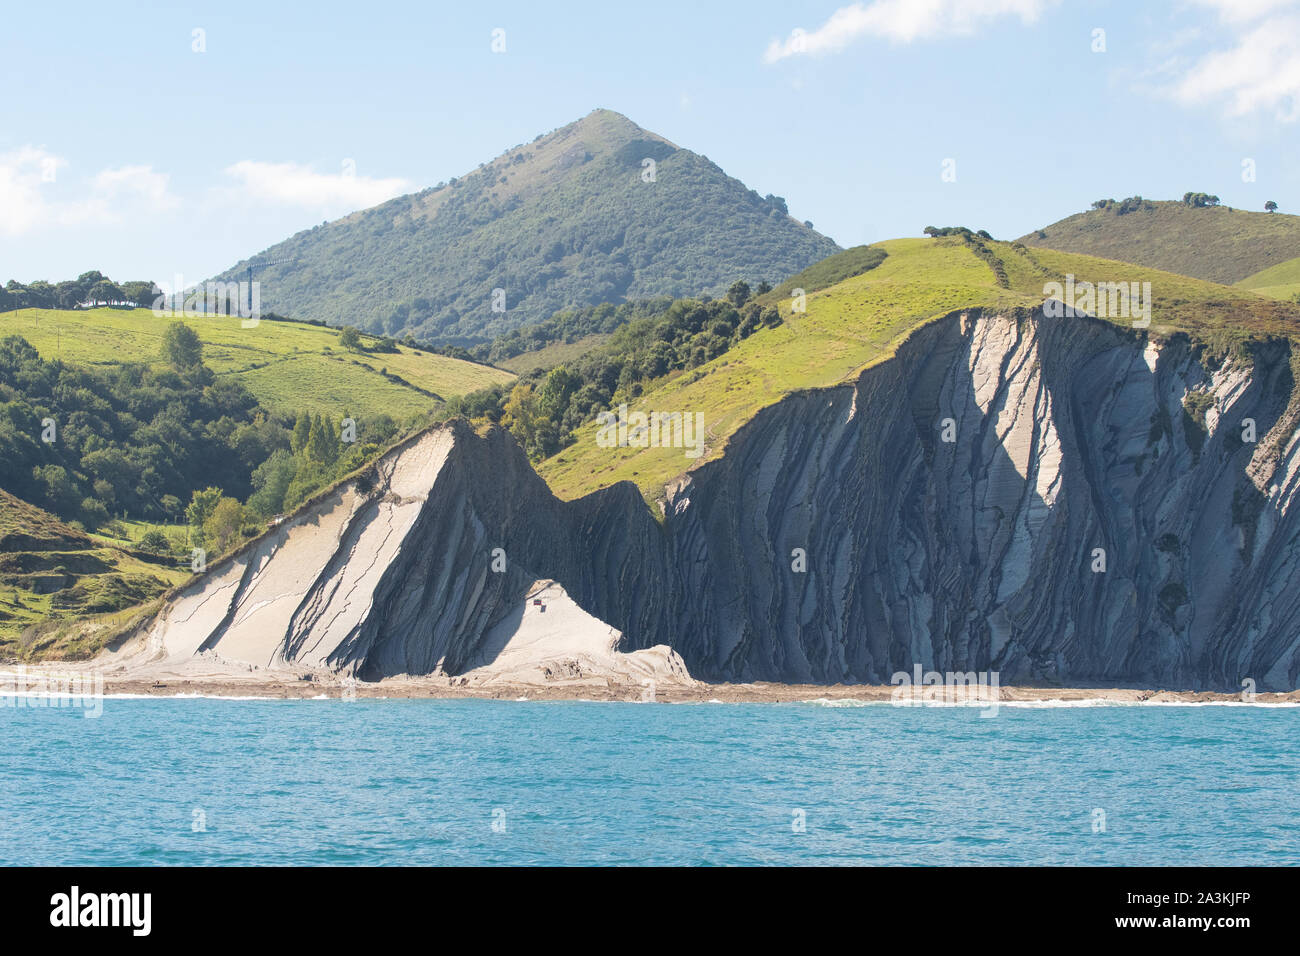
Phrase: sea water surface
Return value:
(209, 781)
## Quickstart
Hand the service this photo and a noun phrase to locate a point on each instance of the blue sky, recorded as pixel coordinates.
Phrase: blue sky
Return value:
(126, 150)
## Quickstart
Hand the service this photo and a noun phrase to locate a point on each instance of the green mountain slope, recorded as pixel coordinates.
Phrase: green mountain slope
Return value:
(286, 365)
(1281, 281)
(567, 220)
(1217, 243)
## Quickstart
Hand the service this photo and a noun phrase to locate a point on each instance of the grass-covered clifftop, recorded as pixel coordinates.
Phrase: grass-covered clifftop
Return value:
(857, 322)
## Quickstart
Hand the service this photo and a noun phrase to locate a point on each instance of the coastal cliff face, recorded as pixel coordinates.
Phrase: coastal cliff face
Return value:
(1034, 496)
(1069, 447)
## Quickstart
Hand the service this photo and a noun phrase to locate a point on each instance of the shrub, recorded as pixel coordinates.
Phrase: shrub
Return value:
(156, 542)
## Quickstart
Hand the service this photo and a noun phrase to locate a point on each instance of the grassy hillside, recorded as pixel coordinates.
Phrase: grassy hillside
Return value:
(286, 365)
(555, 354)
(564, 221)
(1221, 315)
(1281, 281)
(859, 321)
(832, 269)
(1216, 243)
(59, 586)
(603, 354)
(847, 327)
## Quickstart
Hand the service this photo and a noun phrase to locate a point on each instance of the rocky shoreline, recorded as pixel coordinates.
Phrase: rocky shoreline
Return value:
(446, 689)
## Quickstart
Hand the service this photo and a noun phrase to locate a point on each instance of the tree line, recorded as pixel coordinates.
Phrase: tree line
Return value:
(89, 288)
(1124, 206)
(1195, 200)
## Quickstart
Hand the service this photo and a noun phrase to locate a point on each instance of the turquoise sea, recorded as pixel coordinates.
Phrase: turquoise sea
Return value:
(205, 781)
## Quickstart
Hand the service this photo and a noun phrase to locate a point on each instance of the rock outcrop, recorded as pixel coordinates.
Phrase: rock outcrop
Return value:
(1053, 499)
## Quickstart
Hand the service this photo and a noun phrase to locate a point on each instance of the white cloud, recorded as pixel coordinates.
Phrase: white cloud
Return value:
(901, 21)
(21, 204)
(299, 185)
(1259, 71)
(1241, 11)
(137, 183)
(30, 193)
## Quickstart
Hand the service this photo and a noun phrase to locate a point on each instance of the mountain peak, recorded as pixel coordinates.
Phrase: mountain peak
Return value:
(610, 126)
(599, 210)
(601, 133)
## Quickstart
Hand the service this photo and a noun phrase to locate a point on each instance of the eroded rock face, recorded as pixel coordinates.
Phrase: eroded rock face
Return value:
(979, 553)
(549, 640)
(841, 537)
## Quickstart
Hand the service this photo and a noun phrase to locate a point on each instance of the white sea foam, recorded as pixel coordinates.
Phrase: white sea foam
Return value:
(1048, 704)
(843, 702)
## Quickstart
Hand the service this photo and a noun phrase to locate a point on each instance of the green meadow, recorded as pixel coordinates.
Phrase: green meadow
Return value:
(552, 355)
(286, 365)
(1281, 281)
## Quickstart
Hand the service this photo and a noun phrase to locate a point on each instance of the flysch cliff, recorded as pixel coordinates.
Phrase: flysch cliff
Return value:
(308, 598)
(1034, 496)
